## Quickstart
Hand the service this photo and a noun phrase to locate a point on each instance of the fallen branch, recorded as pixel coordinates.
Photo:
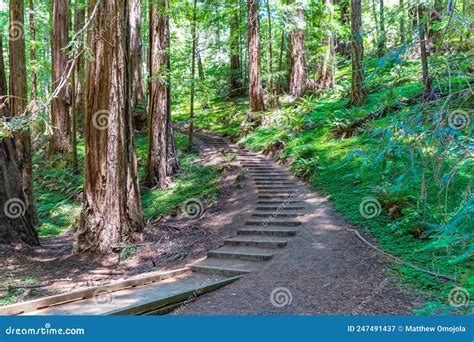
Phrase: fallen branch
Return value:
(360, 237)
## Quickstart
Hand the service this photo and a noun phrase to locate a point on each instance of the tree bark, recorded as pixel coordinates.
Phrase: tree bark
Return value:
(271, 91)
(255, 86)
(358, 93)
(61, 140)
(193, 72)
(18, 102)
(326, 78)
(298, 77)
(162, 158)
(79, 22)
(342, 46)
(33, 85)
(402, 11)
(112, 212)
(136, 51)
(382, 40)
(420, 21)
(280, 63)
(236, 86)
(15, 222)
(4, 108)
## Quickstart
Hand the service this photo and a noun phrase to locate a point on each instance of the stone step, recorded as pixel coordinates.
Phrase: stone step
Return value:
(276, 187)
(273, 222)
(281, 207)
(274, 196)
(278, 202)
(273, 183)
(257, 241)
(277, 192)
(226, 267)
(276, 213)
(241, 252)
(272, 178)
(268, 231)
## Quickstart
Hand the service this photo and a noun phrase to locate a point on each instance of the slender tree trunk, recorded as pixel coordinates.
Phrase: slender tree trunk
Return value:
(420, 21)
(193, 72)
(280, 63)
(326, 79)
(162, 158)
(298, 78)
(136, 51)
(112, 212)
(271, 89)
(255, 86)
(358, 93)
(236, 86)
(61, 140)
(382, 40)
(4, 108)
(343, 46)
(79, 21)
(402, 13)
(33, 85)
(18, 102)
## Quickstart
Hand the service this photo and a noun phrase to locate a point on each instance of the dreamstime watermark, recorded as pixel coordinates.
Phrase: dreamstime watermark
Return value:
(281, 207)
(375, 292)
(196, 293)
(103, 297)
(281, 297)
(370, 207)
(100, 119)
(16, 31)
(459, 119)
(193, 208)
(46, 330)
(14, 208)
(458, 297)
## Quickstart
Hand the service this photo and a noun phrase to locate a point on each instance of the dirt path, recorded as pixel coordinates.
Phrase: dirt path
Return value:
(323, 269)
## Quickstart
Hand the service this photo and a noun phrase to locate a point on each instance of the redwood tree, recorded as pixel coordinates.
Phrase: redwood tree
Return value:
(18, 101)
(3, 84)
(298, 77)
(162, 158)
(358, 93)
(326, 78)
(112, 212)
(255, 85)
(61, 139)
(236, 86)
(136, 51)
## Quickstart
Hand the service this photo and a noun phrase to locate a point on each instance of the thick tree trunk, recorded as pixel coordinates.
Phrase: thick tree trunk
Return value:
(61, 140)
(358, 93)
(162, 158)
(136, 51)
(18, 102)
(236, 86)
(326, 78)
(298, 78)
(4, 108)
(112, 212)
(15, 222)
(255, 86)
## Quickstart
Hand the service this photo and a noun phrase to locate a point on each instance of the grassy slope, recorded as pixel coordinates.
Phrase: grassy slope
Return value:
(378, 163)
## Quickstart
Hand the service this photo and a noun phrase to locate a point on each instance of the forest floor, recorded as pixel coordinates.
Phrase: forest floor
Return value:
(170, 242)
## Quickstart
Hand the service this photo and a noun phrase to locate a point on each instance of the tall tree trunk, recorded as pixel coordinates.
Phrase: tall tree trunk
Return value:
(193, 72)
(136, 51)
(326, 79)
(402, 12)
(358, 93)
(4, 108)
(236, 86)
(61, 140)
(112, 212)
(255, 86)
(18, 102)
(382, 39)
(342, 46)
(271, 91)
(280, 63)
(298, 78)
(15, 221)
(79, 22)
(33, 85)
(162, 158)
(421, 19)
